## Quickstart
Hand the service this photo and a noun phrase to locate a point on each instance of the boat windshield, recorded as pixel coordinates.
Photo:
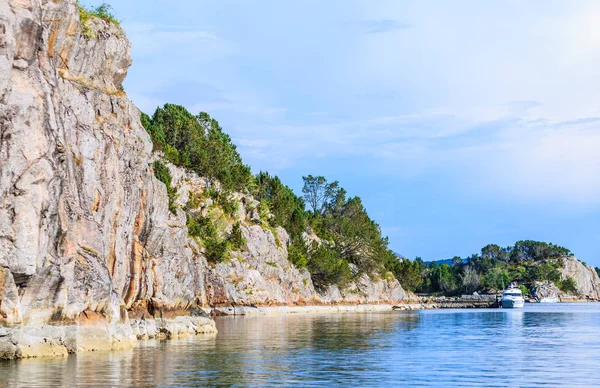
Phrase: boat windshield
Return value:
(512, 294)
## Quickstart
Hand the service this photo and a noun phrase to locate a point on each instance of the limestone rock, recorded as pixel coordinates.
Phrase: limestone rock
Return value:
(84, 225)
(586, 277)
(545, 289)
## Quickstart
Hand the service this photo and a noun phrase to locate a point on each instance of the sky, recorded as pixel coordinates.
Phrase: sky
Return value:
(458, 123)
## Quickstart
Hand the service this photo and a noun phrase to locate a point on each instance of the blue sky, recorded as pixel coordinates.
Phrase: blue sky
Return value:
(458, 123)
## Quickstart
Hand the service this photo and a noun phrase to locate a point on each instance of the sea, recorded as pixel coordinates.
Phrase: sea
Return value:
(541, 345)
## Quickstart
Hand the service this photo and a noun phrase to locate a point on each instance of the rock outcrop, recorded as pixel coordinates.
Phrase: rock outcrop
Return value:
(544, 290)
(586, 278)
(84, 225)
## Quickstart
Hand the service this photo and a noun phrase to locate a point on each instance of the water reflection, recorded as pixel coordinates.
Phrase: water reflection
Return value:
(535, 346)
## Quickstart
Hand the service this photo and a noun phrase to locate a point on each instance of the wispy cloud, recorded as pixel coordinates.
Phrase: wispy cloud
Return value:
(382, 26)
(557, 161)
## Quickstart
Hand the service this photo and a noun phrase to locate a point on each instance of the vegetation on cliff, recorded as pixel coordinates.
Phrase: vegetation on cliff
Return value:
(103, 11)
(197, 142)
(331, 233)
(347, 241)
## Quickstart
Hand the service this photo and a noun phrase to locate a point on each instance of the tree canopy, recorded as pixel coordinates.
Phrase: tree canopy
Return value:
(198, 143)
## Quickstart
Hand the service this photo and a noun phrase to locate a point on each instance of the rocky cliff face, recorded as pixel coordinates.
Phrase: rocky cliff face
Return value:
(85, 229)
(84, 225)
(586, 277)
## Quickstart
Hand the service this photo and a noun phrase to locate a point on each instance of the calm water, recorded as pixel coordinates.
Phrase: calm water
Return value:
(541, 345)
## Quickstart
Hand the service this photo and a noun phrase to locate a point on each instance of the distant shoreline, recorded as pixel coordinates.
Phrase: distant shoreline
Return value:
(432, 303)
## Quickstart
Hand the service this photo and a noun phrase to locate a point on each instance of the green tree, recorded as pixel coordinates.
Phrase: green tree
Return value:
(317, 192)
(408, 274)
(327, 267)
(544, 271)
(197, 142)
(569, 285)
(497, 278)
(286, 207)
(493, 252)
(536, 251)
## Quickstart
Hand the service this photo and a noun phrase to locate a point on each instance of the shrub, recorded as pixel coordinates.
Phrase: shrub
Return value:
(326, 267)
(163, 174)
(264, 209)
(236, 238)
(569, 285)
(103, 11)
(202, 228)
(215, 250)
(297, 253)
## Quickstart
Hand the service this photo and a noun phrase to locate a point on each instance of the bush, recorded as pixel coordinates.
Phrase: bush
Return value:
(163, 174)
(326, 267)
(202, 228)
(221, 198)
(236, 238)
(297, 253)
(264, 209)
(215, 250)
(569, 285)
(103, 11)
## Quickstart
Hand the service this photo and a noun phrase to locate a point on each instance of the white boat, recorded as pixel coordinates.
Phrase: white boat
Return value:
(512, 298)
(548, 300)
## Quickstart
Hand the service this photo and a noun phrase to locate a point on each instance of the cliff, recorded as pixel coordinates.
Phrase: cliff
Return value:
(86, 236)
(84, 233)
(586, 278)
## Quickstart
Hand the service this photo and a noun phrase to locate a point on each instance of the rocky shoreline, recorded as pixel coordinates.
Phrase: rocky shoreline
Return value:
(21, 342)
(62, 340)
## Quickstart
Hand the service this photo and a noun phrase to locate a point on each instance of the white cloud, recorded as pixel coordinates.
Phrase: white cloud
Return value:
(519, 160)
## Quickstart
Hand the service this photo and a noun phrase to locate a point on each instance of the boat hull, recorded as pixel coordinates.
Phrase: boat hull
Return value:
(512, 303)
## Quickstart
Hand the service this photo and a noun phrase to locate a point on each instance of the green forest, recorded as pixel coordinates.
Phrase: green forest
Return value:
(494, 268)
